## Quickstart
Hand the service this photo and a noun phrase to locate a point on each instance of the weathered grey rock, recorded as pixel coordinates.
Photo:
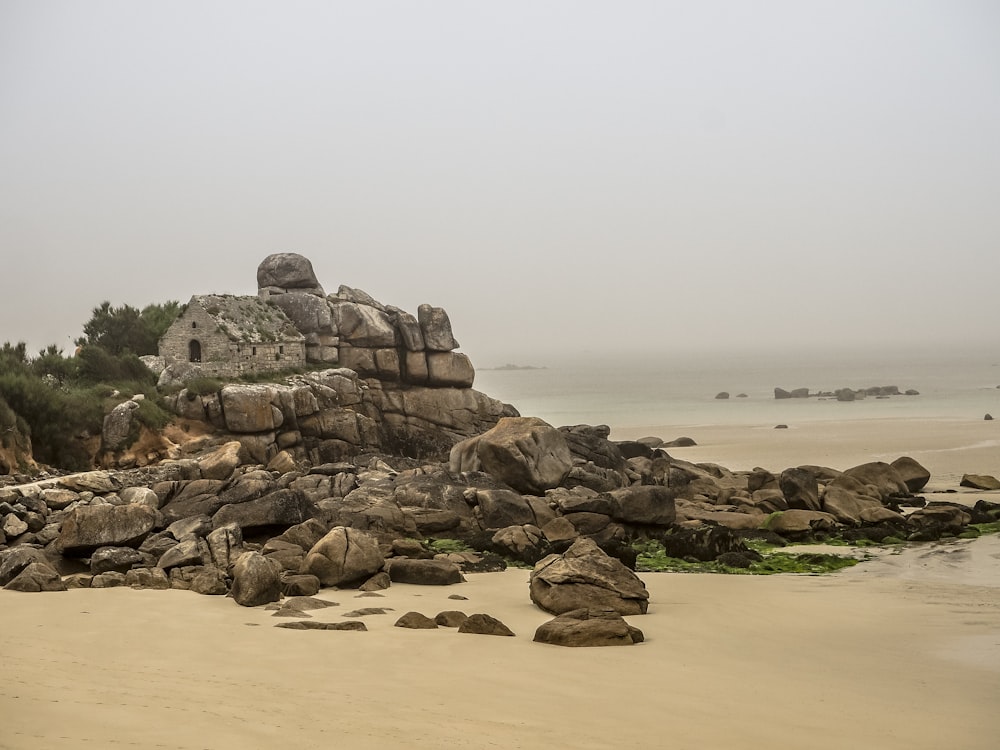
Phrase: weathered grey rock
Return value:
(299, 585)
(12, 526)
(287, 271)
(363, 326)
(423, 572)
(222, 462)
(648, 505)
(449, 370)
(147, 578)
(87, 528)
(378, 582)
(800, 489)
(703, 543)
(185, 553)
(501, 508)
(483, 624)
(409, 329)
(119, 559)
(940, 519)
(980, 482)
(914, 476)
(880, 475)
(587, 628)
(225, 545)
(308, 312)
(141, 496)
(110, 580)
(300, 625)
(16, 559)
(525, 543)
(585, 577)
(117, 426)
(192, 526)
(798, 523)
(436, 328)
(209, 581)
(450, 618)
(256, 580)
(344, 557)
(249, 408)
(416, 621)
(525, 453)
(36, 576)
(281, 508)
(59, 499)
(98, 482)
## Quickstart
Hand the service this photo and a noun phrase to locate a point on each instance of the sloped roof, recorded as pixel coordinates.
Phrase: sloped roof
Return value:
(248, 319)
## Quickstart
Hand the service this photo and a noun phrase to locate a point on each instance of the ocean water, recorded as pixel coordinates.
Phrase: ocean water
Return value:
(629, 391)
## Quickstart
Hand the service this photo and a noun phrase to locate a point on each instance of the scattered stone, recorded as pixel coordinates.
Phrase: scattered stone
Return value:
(451, 618)
(301, 625)
(366, 611)
(585, 577)
(980, 482)
(722, 395)
(416, 621)
(482, 624)
(458, 597)
(988, 417)
(588, 628)
(781, 427)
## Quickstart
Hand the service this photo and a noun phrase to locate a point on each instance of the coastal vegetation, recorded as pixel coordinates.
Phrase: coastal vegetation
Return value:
(56, 403)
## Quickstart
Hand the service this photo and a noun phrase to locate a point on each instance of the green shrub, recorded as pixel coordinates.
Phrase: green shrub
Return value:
(203, 386)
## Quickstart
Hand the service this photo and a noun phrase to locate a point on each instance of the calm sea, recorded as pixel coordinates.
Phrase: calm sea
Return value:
(635, 391)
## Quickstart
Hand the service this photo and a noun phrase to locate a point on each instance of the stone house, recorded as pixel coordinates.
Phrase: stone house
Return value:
(229, 336)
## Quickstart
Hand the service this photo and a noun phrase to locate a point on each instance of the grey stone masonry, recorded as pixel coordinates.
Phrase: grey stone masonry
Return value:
(228, 335)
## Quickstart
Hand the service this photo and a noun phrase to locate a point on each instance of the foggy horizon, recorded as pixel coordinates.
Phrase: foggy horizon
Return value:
(561, 177)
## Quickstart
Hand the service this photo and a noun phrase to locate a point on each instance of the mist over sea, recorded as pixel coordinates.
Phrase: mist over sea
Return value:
(629, 391)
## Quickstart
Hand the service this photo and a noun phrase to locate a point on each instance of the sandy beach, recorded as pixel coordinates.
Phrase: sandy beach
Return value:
(947, 448)
(901, 651)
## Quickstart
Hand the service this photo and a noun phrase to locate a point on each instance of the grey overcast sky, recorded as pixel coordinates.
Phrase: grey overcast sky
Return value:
(559, 176)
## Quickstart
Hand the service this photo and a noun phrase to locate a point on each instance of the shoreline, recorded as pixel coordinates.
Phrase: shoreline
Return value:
(948, 448)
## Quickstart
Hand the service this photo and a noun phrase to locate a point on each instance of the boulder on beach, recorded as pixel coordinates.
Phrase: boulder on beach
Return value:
(980, 482)
(526, 453)
(586, 577)
(588, 628)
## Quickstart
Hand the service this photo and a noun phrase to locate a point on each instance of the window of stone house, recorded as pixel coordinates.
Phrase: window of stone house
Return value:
(253, 351)
(194, 351)
(194, 323)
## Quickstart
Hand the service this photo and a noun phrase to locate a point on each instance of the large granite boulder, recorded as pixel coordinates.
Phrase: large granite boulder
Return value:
(222, 462)
(525, 453)
(801, 524)
(288, 271)
(256, 580)
(436, 328)
(344, 557)
(880, 475)
(250, 408)
(36, 577)
(588, 627)
(585, 577)
(424, 572)
(363, 326)
(800, 489)
(118, 425)
(914, 476)
(88, 527)
(646, 505)
(449, 370)
(280, 508)
(16, 559)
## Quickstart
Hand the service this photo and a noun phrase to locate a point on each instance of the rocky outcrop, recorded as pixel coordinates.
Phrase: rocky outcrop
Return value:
(585, 577)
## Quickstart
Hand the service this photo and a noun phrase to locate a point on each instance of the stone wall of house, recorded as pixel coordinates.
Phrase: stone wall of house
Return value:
(220, 355)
